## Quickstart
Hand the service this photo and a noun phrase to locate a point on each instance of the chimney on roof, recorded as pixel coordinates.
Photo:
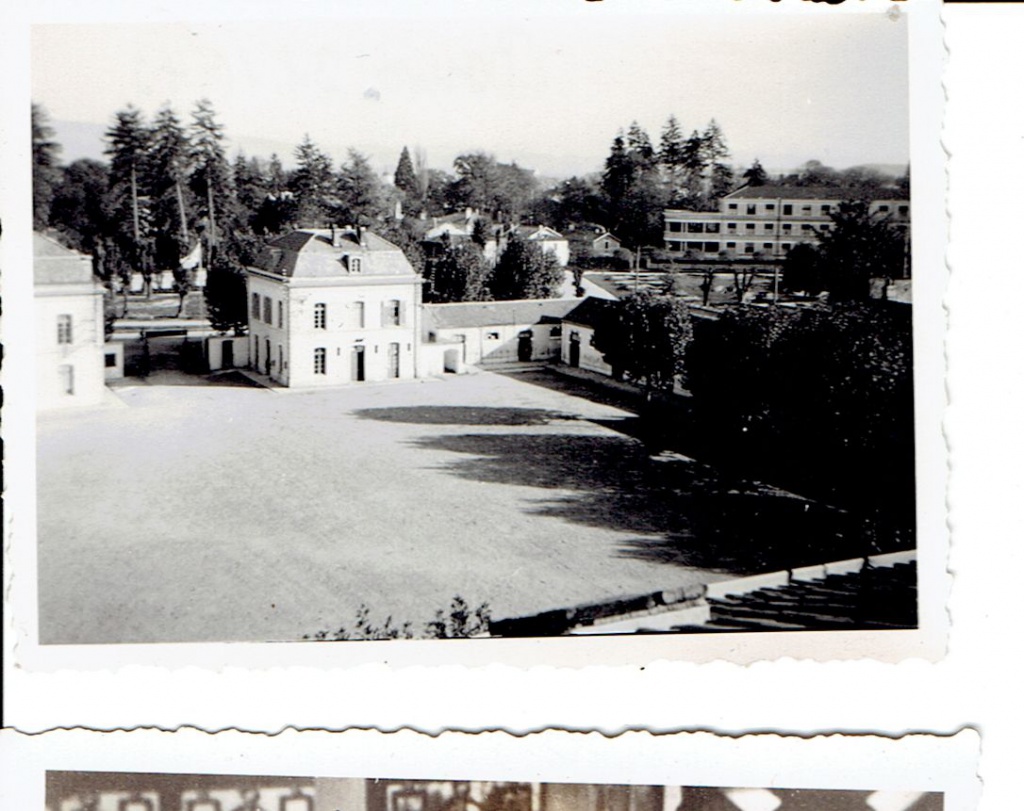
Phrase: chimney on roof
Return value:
(335, 236)
(359, 234)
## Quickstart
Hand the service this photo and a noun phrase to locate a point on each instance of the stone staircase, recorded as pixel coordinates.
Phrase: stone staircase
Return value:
(863, 594)
(874, 598)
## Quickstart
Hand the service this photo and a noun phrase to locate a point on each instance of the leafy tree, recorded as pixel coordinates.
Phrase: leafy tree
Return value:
(524, 271)
(645, 339)
(407, 236)
(802, 270)
(226, 301)
(503, 190)
(362, 200)
(576, 201)
(755, 175)
(460, 273)
(80, 208)
(45, 174)
(819, 396)
(858, 247)
(635, 195)
(438, 196)
(314, 186)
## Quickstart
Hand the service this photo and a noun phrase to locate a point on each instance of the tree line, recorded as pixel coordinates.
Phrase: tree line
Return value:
(817, 399)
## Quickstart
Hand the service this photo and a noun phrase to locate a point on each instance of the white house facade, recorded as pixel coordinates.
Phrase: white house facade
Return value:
(69, 327)
(335, 306)
(492, 332)
(768, 221)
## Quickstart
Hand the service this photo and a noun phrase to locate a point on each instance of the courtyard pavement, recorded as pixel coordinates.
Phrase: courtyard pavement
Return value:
(218, 512)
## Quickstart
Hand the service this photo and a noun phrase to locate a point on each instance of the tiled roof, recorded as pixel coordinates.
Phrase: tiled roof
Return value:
(54, 264)
(496, 313)
(810, 193)
(312, 254)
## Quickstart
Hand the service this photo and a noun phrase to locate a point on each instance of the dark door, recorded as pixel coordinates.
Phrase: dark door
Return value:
(266, 360)
(574, 349)
(227, 354)
(359, 363)
(525, 346)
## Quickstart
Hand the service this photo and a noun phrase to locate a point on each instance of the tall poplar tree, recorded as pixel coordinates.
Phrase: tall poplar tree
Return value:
(45, 174)
(407, 182)
(128, 143)
(167, 173)
(211, 178)
(671, 156)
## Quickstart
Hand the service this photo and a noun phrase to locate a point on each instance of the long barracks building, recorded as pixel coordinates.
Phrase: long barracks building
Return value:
(765, 222)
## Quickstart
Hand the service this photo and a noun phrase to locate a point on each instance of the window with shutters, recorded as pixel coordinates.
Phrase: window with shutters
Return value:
(392, 313)
(64, 329)
(255, 305)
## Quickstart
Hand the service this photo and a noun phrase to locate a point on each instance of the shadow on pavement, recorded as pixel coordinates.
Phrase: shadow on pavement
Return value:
(463, 415)
(685, 513)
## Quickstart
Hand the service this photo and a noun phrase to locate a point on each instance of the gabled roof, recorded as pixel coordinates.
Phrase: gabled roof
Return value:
(777, 192)
(325, 253)
(538, 232)
(52, 263)
(496, 313)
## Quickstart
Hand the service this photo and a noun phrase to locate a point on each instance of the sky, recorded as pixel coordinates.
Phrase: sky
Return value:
(548, 87)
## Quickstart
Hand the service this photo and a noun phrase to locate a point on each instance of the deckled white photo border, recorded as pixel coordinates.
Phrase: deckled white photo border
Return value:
(929, 229)
(926, 763)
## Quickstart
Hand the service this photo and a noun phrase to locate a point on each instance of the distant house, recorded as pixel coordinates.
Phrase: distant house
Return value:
(592, 241)
(332, 306)
(768, 220)
(550, 241)
(69, 327)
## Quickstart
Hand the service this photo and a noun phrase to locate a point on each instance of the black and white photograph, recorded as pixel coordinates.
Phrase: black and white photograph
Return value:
(75, 770)
(105, 791)
(539, 325)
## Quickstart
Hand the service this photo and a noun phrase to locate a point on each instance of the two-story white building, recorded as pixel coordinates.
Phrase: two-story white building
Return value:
(333, 306)
(767, 221)
(69, 327)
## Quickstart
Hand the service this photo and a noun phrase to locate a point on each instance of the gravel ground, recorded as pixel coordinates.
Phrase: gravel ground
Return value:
(227, 512)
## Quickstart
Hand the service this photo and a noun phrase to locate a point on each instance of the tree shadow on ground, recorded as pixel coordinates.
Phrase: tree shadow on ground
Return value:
(676, 511)
(463, 415)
